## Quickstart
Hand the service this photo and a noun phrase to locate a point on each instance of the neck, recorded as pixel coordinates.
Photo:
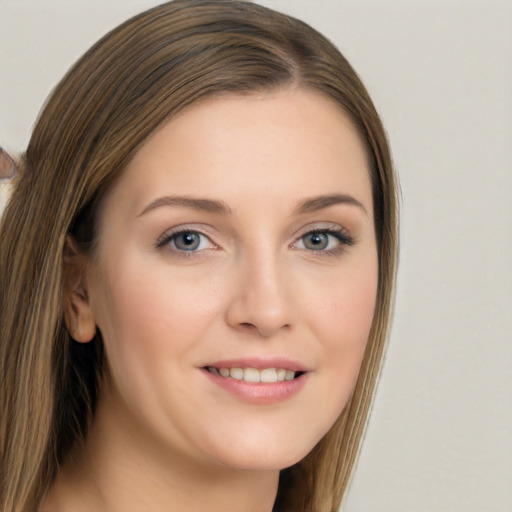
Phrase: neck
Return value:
(121, 468)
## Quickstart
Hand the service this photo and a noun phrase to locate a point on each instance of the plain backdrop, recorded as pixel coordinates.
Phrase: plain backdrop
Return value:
(440, 73)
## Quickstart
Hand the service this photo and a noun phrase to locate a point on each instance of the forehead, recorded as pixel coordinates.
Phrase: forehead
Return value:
(279, 145)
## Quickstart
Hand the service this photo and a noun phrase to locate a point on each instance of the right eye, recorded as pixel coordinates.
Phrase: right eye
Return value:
(189, 241)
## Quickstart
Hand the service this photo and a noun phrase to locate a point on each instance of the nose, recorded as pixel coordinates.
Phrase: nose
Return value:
(260, 302)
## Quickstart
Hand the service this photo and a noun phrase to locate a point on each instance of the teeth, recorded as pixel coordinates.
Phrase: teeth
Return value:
(236, 373)
(251, 375)
(224, 372)
(268, 375)
(289, 375)
(255, 375)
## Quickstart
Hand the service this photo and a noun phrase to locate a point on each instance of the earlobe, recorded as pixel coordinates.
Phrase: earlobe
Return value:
(78, 314)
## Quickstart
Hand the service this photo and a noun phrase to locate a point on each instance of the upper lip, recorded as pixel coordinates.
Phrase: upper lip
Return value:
(260, 363)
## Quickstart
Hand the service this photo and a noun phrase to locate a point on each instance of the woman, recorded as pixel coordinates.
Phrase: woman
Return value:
(201, 246)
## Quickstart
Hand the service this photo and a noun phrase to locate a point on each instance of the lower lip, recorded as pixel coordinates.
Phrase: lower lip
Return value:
(263, 393)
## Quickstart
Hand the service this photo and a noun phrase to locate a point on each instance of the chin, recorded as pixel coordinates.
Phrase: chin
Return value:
(264, 454)
(261, 462)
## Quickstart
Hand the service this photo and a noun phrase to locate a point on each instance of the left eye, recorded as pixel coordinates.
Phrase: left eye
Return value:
(317, 241)
(321, 241)
(187, 241)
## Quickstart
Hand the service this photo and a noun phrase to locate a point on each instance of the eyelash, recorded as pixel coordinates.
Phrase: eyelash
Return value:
(339, 233)
(167, 238)
(344, 239)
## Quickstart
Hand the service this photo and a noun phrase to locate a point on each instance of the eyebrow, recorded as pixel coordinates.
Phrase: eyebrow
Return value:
(196, 203)
(308, 205)
(316, 203)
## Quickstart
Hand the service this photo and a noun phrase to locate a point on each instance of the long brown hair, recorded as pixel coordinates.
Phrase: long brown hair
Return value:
(127, 85)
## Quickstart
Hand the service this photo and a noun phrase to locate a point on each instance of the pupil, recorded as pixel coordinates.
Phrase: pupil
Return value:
(316, 241)
(187, 241)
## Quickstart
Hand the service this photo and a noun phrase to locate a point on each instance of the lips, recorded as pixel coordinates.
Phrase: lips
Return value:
(249, 374)
(258, 380)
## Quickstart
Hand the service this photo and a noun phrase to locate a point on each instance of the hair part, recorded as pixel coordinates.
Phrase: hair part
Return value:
(124, 88)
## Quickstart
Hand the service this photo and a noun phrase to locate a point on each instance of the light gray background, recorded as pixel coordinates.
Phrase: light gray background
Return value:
(440, 73)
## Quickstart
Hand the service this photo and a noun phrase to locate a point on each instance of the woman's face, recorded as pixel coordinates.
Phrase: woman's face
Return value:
(238, 246)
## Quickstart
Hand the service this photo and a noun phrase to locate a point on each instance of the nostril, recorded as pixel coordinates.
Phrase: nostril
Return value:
(250, 328)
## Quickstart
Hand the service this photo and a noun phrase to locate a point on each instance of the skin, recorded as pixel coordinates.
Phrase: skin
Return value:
(163, 432)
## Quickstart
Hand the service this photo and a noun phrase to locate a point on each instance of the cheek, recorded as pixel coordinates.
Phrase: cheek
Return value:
(149, 316)
(345, 304)
(343, 317)
(351, 312)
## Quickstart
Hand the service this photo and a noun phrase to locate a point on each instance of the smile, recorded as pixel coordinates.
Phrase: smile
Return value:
(265, 375)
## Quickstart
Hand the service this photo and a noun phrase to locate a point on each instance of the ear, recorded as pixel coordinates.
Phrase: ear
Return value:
(78, 315)
(8, 167)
